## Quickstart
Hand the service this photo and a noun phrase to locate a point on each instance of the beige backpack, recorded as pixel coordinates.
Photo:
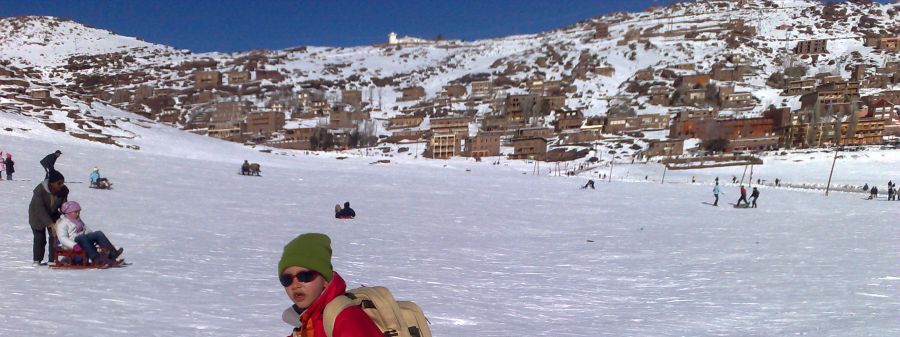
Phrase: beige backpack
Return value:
(394, 318)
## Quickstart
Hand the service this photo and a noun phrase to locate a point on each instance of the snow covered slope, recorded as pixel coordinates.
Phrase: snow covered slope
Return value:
(484, 249)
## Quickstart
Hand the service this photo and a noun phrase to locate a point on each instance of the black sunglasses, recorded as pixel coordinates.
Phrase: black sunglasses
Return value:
(303, 276)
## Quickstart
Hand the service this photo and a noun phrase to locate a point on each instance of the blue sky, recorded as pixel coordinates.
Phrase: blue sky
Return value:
(227, 25)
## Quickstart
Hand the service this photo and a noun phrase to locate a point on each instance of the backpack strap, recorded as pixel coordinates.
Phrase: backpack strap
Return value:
(332, 309)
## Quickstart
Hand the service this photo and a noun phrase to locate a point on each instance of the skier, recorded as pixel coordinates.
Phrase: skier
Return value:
(72, 232)
(43, 212)
(716, 192)
(754, 196)
(306, 273)
(346, 212)
(49, 161)
(10, 166)
(743, 197)
(590, 184)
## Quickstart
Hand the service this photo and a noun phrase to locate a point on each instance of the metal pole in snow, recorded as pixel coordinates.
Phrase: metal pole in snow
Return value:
(828, 187)
(742, 175)
(750, 183)
(610, 171)
(665, 168)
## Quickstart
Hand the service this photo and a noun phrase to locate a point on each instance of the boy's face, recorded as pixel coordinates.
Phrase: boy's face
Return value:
(303, 294)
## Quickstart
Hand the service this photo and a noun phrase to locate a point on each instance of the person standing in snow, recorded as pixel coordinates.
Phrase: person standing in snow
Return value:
(306, 273)
(10, 166)
(44, 211)
(754, 196)
(693, 179)
(716, 192)
(777, 182)
(890, 193)
(71, 231)
(743, 197)
(873, 193)
(49, 161)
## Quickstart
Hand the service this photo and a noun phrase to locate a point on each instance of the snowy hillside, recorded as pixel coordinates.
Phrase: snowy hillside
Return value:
(67, 55)
(49, 42)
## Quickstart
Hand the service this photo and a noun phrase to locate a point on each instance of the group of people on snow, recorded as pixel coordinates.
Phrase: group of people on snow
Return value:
(344, 213)
(249, 169)
(753, 196)
(892, 191)
(56, 220)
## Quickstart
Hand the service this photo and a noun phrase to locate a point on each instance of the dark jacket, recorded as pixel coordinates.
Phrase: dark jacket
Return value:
(44, 207)
(10, 165)
(49, 161)
(345, 212)
(755, 194)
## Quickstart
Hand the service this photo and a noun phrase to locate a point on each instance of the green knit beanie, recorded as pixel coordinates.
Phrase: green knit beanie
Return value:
(311, 251)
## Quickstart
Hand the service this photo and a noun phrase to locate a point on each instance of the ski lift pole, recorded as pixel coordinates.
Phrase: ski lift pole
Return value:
(610, 171)
(743, 175)
(665, 168)
(750, 183)
(828, 187)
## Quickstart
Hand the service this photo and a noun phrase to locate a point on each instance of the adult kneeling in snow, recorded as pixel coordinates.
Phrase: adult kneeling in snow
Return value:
(71, 231)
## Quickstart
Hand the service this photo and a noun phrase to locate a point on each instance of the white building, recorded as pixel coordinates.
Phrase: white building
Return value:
(393, 40)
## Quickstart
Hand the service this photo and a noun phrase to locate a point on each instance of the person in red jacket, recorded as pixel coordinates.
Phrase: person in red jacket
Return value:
(306, 274)
(743, 198)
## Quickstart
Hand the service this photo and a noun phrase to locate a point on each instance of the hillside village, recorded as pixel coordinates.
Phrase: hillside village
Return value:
(709, 78)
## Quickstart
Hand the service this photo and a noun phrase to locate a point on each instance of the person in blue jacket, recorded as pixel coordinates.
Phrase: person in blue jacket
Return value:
(716, 192)
(97, 181)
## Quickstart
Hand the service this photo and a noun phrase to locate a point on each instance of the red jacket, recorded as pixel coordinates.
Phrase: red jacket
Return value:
(351, 322)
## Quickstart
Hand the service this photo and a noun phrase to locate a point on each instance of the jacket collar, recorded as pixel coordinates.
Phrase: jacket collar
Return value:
(335, 288)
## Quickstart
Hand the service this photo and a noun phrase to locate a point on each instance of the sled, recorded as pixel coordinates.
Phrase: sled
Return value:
(740, 206)
(70, 259)
(344, 218)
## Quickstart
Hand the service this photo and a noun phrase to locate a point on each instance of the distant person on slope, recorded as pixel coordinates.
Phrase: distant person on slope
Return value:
(873, 193)
(44, 211)
(49, 161)
(754, 196)
(245, 168)
(590, 183)
(305, 272)
(10, 166)
(716, 192)
(346, 212)
(743, 197)
(72, 232)
(97, 181)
